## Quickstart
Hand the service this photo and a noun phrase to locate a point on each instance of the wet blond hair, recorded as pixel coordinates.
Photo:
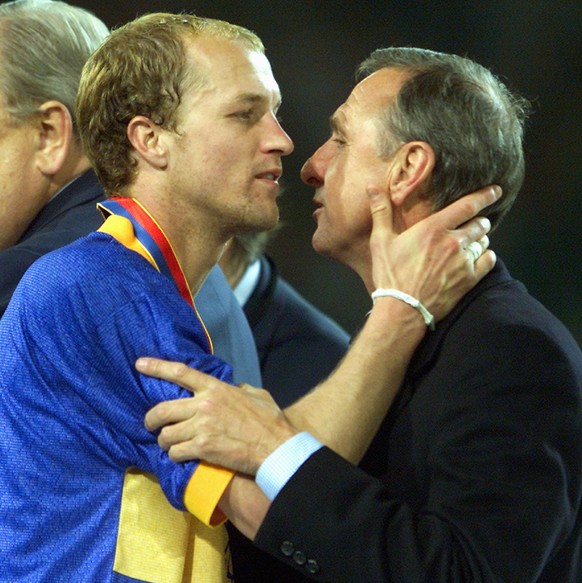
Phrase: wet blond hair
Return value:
(141, 70)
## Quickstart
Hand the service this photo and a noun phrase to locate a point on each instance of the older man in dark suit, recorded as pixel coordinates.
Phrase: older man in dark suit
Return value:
(475, 473)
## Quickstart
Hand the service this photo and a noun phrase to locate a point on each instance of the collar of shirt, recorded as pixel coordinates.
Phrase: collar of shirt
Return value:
(248, 282)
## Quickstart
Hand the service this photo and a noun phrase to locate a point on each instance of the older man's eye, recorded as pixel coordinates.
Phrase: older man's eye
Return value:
(245, 115)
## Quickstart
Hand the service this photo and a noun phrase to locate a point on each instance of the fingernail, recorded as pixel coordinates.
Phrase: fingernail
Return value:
(497, 191)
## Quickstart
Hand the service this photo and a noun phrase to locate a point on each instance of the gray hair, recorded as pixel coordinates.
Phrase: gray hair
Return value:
(468, 116)
(43, 46)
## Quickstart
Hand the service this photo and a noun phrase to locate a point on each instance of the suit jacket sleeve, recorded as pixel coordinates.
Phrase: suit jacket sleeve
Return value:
(502, 464)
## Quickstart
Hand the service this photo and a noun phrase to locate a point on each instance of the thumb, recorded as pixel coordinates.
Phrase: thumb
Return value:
(379, 205)
(382, 219)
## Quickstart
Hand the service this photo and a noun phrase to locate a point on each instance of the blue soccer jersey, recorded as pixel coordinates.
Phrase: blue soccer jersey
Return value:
(86, 494)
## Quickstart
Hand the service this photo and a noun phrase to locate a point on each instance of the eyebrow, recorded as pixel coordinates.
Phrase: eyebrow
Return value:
(254, 98)
(250, 97)
(336, 125)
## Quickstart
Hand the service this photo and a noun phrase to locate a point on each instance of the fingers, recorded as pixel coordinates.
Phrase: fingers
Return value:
(476, 248)
(464, 209)
(183, 451)
(174, 372)
(172, 435)
(381, 210)
(472, 232)
(169, 412)
(451, 217)
(482, 258)
(485, 264)
(379, 204)
(180, 374)
(382, 235)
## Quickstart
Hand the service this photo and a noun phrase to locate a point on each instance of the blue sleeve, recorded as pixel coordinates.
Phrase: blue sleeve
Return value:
(85, 339)
(145, 328)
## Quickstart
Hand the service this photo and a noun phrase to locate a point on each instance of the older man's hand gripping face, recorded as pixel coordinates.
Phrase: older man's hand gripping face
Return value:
(240, 427)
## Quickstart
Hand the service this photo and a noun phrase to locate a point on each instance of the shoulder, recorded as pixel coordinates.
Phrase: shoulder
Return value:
(303, 316)
(95, 270)
(500, 316)
(500, 354)
(71, 214)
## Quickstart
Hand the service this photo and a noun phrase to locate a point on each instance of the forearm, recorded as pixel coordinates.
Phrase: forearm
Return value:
(345, 411)
(239, 429)
(244, 504)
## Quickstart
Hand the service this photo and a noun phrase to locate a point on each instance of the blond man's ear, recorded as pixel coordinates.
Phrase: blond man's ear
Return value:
(147, 139)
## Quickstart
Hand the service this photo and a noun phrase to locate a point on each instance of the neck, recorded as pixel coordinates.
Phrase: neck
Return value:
(196, 246)
(75, 165)
(359, 260)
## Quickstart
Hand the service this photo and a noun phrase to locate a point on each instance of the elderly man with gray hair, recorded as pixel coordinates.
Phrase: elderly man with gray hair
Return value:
(47, 191)
(475, 472)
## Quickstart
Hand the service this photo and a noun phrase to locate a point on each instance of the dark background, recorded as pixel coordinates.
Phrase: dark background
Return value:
(314, 47)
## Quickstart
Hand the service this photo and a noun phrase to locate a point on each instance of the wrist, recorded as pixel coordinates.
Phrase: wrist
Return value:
(278, 468)
(277, 435)
(391, 314)
(413, 302)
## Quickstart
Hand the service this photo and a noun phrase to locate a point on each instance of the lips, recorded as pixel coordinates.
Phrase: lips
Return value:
(318, 207)
(273, 175)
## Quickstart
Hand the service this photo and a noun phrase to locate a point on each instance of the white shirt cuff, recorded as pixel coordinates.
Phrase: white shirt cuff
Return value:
(280, 466)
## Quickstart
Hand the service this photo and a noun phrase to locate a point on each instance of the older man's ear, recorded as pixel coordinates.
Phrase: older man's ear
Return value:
(408, 181)
(55, 137)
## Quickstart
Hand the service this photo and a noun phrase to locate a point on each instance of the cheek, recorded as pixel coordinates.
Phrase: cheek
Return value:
(354, 204)
(344, 225)
(226, 162)
(361, 219)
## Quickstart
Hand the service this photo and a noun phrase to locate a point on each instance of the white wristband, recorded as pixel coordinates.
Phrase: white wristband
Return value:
(394, 293)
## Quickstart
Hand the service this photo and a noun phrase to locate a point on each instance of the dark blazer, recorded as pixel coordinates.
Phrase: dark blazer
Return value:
(73, 214)
(298, 347)
(68, 216)
(476, 472)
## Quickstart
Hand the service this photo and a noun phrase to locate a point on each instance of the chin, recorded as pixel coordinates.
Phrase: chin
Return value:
(321, 247)
(261, 223)
(330, 249)
(267, 223)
